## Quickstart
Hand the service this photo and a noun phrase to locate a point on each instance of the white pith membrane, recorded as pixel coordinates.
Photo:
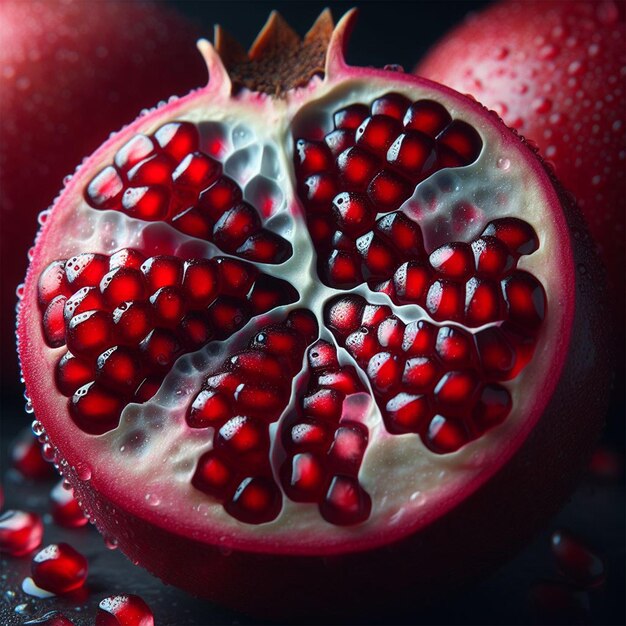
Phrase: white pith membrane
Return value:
(146, 464)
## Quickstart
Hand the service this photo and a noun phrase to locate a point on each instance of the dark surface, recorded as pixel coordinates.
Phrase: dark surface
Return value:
(387, 32)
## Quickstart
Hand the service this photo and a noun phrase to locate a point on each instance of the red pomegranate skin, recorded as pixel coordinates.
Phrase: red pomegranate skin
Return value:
(70, 74)
(555, 73)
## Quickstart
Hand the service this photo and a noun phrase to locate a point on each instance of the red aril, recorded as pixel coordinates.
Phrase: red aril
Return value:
(555, 73)
(20, 532)
(64, 507)
(578, 562)
(325, 358)
(72, 72)
(124, 610)
(27, 459)
(52, 618)
(59, 568)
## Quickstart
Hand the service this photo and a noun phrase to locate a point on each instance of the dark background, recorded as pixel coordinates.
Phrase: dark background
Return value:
(386, 32)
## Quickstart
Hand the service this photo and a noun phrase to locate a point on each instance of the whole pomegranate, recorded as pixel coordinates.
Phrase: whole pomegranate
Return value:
(555, 72)
(70, 73)
(314, 338)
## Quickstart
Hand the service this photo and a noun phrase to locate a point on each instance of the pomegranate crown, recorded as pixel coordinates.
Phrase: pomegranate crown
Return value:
(279, 59)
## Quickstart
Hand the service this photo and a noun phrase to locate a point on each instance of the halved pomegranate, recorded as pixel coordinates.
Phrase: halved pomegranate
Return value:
(315, 338)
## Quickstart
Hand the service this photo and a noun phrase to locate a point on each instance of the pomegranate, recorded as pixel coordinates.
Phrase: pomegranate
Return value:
(576, 560)
(70, 72)
(27, 458)
(124, 610)
(310, 325)
(556, 74)
(20, 532)
(64, 507)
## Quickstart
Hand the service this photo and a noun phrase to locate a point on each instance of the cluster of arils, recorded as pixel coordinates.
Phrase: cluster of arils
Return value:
(166, 177)
(125, 319)
(370, 164)
(442, 383)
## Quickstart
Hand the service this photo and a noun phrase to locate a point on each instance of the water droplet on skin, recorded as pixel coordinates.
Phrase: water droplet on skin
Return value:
(37, 427)
(550, 151)
(83, 472)
(152, 499)
(110, 543)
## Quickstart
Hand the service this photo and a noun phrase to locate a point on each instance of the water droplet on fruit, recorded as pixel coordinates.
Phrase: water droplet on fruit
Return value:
(550, 151)
(83, 472)
(38, 428)
(504, 164)
(48, 452)
(22, 609)
(110, 542)
(152, 499)
(29, 587)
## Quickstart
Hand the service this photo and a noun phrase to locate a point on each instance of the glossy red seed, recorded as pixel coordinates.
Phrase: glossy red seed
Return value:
(147, 203)
(162, 271)
(384, 371)
(373, 314)
(576, 560)
(406, 413)
(59, 568)
(378, 258)
(309, 435)
(200, 282)
(356, 168)
(227, 315)
(411, 281)
(344, 380)
(177, 139)
(343, 314)
(362, 345)
(353, 212)
(266, 403)
(496, 355)
(257, 500)
(126, 257)
(134, 150)
(392, 105)
(168, 306)
(342, 270)
(118, 369)
(388, 191)
(413, 154)
(427, 116)
(445, 300)
(210, 407)
(377, 133)
(26, 458)
(420, 373)
(402, 232)
(351, 117)
(453, 261)
(192, 222)
(235, 226)
(213, 475)
(390, 333)
(491, 257)
(303, 477)
(105, 189)
(319, 191)
(86, 270)
(89, 333)
(155, 170)
(347, 450)
(525, 299)
(445, 435)
(346, 502)
(196, 330)
(483, 302)
(312, 157)
(463, 140)
(85, 299)
(64, 508)
(122, 285)
(52, 283)
(95, 409)
(517, 235)
(72, 373)
(223, 194)
(197, 170)
(456, 389)
(159, 349)
(147, 389)
(124, 610)
(20, 532)
(305, 323)
(454, 346)
(339, 140)
(132, 322)
(493, 405)
(54, 322)
(322, 355)
(242, 437)
(324, 404)
(419, 338)
(269, 292)
(265, 247)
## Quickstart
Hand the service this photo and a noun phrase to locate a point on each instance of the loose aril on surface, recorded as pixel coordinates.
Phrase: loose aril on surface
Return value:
(59, 568)
(302, 329)
(20, 532)
(124, 610)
